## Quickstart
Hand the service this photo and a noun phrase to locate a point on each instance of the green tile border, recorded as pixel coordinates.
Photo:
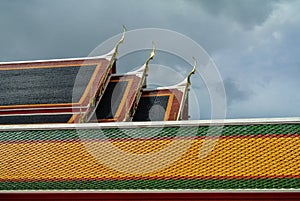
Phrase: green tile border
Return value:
(116, 133)
(284, 183)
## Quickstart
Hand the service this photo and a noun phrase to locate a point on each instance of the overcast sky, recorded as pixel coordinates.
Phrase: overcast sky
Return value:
(255, 44)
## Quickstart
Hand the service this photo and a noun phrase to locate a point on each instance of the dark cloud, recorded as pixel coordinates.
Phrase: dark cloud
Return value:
(247, 13)
(235, 93)
(254, 43)
(70, 28)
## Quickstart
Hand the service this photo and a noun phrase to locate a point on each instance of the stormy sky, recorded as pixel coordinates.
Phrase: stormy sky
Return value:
(255, 44)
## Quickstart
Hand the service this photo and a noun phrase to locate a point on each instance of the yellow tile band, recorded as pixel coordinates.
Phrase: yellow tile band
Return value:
(271, 157)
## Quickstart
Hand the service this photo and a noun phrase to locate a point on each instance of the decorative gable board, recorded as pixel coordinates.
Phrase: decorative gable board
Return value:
(51, 91)
(120, 98)
(159, 105)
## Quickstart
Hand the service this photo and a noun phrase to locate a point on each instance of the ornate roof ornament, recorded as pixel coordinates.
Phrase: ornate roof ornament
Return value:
(152, 54)
(192, 72)
(115, 54)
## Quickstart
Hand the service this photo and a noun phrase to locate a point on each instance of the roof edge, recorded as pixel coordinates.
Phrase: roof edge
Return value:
(105, 56)
(149, 124)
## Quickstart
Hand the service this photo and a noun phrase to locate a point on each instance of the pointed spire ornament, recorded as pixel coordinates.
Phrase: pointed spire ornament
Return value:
(118, 44)
(192, 72)
(152, 54)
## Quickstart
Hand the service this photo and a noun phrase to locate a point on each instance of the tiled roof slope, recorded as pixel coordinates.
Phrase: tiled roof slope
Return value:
(245, 154)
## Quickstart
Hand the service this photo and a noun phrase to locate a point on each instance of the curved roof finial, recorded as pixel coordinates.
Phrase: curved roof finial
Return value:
(192, 72)
(152, 54)
(120, 41)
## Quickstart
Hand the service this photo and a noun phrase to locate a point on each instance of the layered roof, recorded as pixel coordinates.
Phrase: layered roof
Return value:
(86, 90)
(58, 150)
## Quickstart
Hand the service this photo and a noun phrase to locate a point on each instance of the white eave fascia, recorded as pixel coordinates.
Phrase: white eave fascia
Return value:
(182, 86)
(107, 56)
(139, 72)
(251, 190)
(41, 108)
(152, 124)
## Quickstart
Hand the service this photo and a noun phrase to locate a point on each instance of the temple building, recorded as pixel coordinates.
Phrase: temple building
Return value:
(76, 124)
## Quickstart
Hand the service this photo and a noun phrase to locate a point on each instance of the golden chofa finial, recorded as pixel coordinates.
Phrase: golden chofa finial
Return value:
(192, 72)
(152, 54)
(120, 41)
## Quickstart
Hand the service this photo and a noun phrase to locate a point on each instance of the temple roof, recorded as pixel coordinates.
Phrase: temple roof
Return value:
(86, 90)
(51, 138)
(247, 154)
